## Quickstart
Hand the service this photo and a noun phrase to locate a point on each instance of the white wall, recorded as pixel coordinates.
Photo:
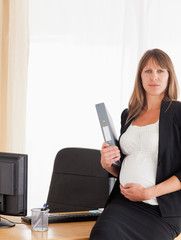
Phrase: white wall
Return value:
(84, 52)
(73, 65)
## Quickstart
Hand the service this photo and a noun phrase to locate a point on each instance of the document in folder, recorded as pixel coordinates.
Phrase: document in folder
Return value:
(106, 125)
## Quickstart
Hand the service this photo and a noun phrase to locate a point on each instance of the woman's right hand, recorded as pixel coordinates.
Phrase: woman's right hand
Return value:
(109, 155)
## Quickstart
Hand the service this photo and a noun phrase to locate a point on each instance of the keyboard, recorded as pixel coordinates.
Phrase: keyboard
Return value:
(68, 217)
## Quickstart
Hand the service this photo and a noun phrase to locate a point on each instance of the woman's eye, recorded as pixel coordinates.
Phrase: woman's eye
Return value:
(160, 70)
(147, 71)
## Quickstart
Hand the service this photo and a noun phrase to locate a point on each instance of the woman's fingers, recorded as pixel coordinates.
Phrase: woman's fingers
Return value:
(109, 154)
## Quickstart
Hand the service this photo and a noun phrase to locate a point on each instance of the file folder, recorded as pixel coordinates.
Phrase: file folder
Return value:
(107, 126)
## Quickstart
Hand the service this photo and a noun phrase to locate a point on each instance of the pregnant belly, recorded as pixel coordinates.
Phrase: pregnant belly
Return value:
(139, 167)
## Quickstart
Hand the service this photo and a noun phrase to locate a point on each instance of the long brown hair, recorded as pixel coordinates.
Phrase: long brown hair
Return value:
(138, 98)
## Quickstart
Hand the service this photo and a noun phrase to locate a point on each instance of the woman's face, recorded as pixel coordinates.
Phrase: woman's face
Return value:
(154, 79)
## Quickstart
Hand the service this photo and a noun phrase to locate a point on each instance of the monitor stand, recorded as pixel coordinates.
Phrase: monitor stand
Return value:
(5, 223)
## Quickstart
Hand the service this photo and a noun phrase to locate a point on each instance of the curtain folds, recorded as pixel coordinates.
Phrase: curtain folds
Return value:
(13, 73)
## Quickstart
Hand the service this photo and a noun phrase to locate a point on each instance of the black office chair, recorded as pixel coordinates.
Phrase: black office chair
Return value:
(79, 182)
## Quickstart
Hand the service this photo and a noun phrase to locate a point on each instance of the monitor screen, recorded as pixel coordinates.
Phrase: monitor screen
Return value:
(13, 186)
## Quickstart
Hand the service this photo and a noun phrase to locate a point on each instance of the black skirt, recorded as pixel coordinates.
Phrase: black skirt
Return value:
(126, 220)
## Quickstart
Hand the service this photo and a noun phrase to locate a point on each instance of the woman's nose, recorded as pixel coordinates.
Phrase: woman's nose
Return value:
(154, 75)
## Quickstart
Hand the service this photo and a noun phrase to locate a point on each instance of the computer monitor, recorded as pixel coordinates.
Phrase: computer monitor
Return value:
(13, 186)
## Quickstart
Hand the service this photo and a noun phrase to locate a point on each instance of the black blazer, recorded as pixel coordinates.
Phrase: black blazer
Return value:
(169, 155)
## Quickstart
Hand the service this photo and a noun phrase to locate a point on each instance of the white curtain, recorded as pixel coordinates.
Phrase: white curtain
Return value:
(13, 74)
(81, 53)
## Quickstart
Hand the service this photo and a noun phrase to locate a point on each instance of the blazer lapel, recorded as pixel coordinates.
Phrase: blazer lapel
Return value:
(125, 126)
(165, 121)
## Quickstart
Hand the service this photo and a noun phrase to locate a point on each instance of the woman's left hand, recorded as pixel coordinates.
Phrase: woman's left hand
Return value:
(135, 192)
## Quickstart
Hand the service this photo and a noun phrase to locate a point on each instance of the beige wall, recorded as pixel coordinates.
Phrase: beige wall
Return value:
(4, 13)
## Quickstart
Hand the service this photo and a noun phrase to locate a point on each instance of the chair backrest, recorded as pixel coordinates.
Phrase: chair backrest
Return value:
(79, 182)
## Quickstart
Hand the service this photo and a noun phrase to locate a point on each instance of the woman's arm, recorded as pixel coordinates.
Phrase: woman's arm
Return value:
(170, 185)
(136, 192)
(109, 155)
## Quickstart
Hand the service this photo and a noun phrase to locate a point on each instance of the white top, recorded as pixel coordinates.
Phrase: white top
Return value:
(140, 145)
